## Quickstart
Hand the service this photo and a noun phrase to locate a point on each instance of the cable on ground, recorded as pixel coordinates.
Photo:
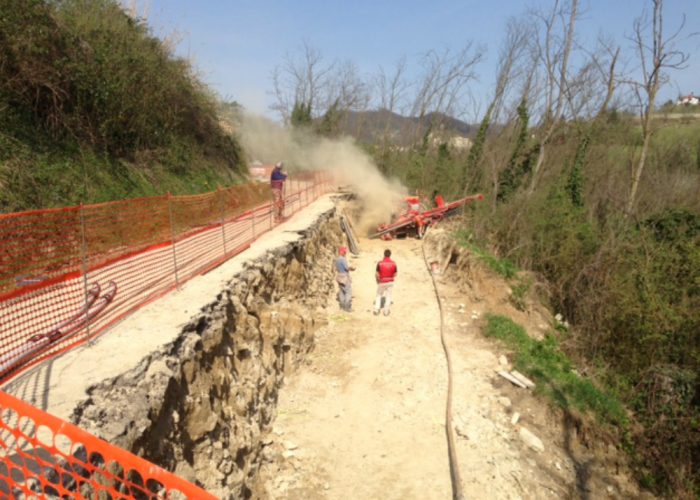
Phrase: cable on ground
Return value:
(457, 493)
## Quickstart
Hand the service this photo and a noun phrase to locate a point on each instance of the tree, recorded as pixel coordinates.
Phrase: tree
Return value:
(307, 88)
(443, 84)
(298, 82)
(511, 51)
(392, 87)
(554, 50)
(656, 55)
(301, 115)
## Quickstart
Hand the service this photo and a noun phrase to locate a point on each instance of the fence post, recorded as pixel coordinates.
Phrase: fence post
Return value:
(298, 183)
(272, 208)
(222, 205)
(252, 218)
(172, 239)
(84, 264)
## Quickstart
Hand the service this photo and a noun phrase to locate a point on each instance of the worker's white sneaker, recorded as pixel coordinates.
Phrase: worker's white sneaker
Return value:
(375, 312)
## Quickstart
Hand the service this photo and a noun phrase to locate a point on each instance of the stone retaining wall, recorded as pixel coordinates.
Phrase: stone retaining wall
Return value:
(203, 404)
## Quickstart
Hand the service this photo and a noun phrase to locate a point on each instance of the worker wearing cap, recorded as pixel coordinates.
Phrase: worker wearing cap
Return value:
(385, 274)
(342, 276)
(277, 179)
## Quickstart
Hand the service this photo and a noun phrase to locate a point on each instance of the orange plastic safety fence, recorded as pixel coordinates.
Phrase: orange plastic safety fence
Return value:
(67, 274)
(43, 456)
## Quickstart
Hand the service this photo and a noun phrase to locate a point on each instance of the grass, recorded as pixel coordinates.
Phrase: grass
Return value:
(61, 177)
(520, 289)
(553, 372)
(502, 267)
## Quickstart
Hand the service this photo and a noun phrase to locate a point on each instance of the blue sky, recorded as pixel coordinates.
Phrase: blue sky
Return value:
(235, 44)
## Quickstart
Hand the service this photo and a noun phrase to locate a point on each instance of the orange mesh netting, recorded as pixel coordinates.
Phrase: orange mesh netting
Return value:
(67, 274)
(43, 456)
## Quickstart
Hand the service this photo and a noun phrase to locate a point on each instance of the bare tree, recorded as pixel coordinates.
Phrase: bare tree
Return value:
(305, 81)
(509, 69)
(554, 50)
(512, 66)
(656, 55)
(392, 87)
(300, 80)
(444, 81)
(605, 61)
(345, 88)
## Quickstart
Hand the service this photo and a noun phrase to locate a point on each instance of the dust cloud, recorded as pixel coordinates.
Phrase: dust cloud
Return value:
(268, 142)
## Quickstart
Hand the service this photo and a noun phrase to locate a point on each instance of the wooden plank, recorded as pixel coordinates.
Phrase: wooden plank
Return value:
(352, 242)
(522, 378)
(510, 378)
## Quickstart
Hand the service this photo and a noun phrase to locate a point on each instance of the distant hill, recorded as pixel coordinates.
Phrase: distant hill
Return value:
(370, 126)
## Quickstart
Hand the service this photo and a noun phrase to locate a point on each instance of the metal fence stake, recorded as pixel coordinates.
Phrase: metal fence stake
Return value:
(222, 205)
(83, 259)
(172, 239)
(252, 217)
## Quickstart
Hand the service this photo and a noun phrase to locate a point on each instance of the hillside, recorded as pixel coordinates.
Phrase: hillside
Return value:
(94, 107)
(369, 127)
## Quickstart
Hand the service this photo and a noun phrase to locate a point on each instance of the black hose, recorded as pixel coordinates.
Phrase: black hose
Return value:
(457, 493)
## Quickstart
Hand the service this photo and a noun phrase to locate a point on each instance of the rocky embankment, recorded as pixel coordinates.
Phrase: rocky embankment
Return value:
(203, 404)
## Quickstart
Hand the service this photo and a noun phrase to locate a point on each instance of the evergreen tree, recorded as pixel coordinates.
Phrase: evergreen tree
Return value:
(476, 152)
(520, 163)
(574, 184)
(301, 114)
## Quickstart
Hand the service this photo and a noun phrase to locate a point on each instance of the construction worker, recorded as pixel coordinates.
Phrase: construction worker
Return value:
(277, 179)
(413, 203)
(414, 211)
(385, 274)
(342, 276)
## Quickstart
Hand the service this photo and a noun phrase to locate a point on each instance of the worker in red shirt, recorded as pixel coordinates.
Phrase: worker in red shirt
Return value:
(385, 274)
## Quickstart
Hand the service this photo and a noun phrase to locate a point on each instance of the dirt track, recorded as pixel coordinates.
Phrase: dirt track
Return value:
(365, 418)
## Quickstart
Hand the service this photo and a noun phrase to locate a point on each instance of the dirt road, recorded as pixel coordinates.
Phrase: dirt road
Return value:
(365, 418)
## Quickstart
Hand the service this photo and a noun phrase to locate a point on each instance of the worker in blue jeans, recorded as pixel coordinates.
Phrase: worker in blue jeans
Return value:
(342, 276)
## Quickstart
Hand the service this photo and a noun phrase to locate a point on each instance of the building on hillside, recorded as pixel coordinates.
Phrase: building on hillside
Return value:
(688, 100)
(453, 141)
(459, 142)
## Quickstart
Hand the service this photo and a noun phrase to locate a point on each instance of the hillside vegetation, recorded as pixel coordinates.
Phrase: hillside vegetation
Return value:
(628, 283)
(93, 107)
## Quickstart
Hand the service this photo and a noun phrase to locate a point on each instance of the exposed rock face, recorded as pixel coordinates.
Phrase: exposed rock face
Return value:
(202, 406)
